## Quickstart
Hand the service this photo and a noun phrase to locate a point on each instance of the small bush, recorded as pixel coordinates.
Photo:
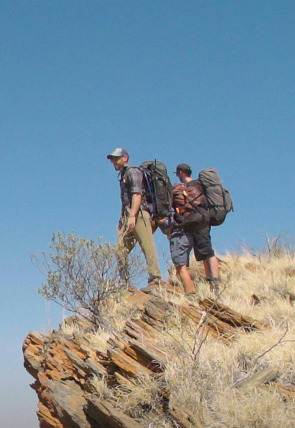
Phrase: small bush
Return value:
(81, 275)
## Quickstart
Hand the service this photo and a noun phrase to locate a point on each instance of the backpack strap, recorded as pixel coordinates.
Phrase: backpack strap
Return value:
(192, 201)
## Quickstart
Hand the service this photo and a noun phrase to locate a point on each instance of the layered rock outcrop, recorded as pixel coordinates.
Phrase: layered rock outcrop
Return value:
(64, 365)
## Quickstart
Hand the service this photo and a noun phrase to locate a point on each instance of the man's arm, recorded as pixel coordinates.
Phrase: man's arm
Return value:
(135, 205)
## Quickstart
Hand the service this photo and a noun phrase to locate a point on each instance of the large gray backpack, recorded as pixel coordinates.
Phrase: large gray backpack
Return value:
(219, 198)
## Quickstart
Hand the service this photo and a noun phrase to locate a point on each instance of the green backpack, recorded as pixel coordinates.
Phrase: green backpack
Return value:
(219, 199)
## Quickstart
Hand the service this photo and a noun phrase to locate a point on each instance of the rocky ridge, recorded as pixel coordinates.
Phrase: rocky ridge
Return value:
(64, 365)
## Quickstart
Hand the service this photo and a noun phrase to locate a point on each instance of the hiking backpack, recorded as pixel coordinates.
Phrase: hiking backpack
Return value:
(158, 188)
(190, 206)
(219, 198)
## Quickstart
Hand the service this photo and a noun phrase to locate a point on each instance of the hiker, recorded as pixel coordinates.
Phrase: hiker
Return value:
(201, 236)
(134, 224)
(190, 214)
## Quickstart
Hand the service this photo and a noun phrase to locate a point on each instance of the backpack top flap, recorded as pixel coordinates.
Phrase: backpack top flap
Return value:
(155, 165)
(209, 177)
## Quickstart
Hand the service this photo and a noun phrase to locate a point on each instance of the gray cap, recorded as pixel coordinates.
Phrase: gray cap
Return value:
(183, 167)
(118, 152)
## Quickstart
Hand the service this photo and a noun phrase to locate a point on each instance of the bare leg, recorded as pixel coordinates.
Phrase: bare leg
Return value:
(211, 267)
(186, 279)
(211, 270)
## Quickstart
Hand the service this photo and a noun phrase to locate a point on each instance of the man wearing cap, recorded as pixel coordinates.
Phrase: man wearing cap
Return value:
(134, 225)
(201, 238)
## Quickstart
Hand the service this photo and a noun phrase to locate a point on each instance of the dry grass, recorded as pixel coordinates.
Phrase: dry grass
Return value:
(206, 383)
(203, 377)
(119, 310)
(270, 278)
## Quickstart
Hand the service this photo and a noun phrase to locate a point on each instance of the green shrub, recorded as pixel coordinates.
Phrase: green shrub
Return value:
(81, 274)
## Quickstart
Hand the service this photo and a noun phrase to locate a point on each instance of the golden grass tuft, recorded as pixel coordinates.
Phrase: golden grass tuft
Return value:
(206, 382)
(203, 376)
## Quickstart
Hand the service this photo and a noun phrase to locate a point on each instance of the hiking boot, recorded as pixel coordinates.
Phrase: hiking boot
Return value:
(214, 285)
(131, 289)
(191, 296)
(153, 286)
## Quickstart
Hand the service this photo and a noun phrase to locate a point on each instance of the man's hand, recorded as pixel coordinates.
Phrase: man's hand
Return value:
(162, 220)
(131, 222)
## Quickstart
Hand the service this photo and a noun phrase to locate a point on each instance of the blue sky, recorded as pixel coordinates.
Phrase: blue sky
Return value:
(209, 82)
